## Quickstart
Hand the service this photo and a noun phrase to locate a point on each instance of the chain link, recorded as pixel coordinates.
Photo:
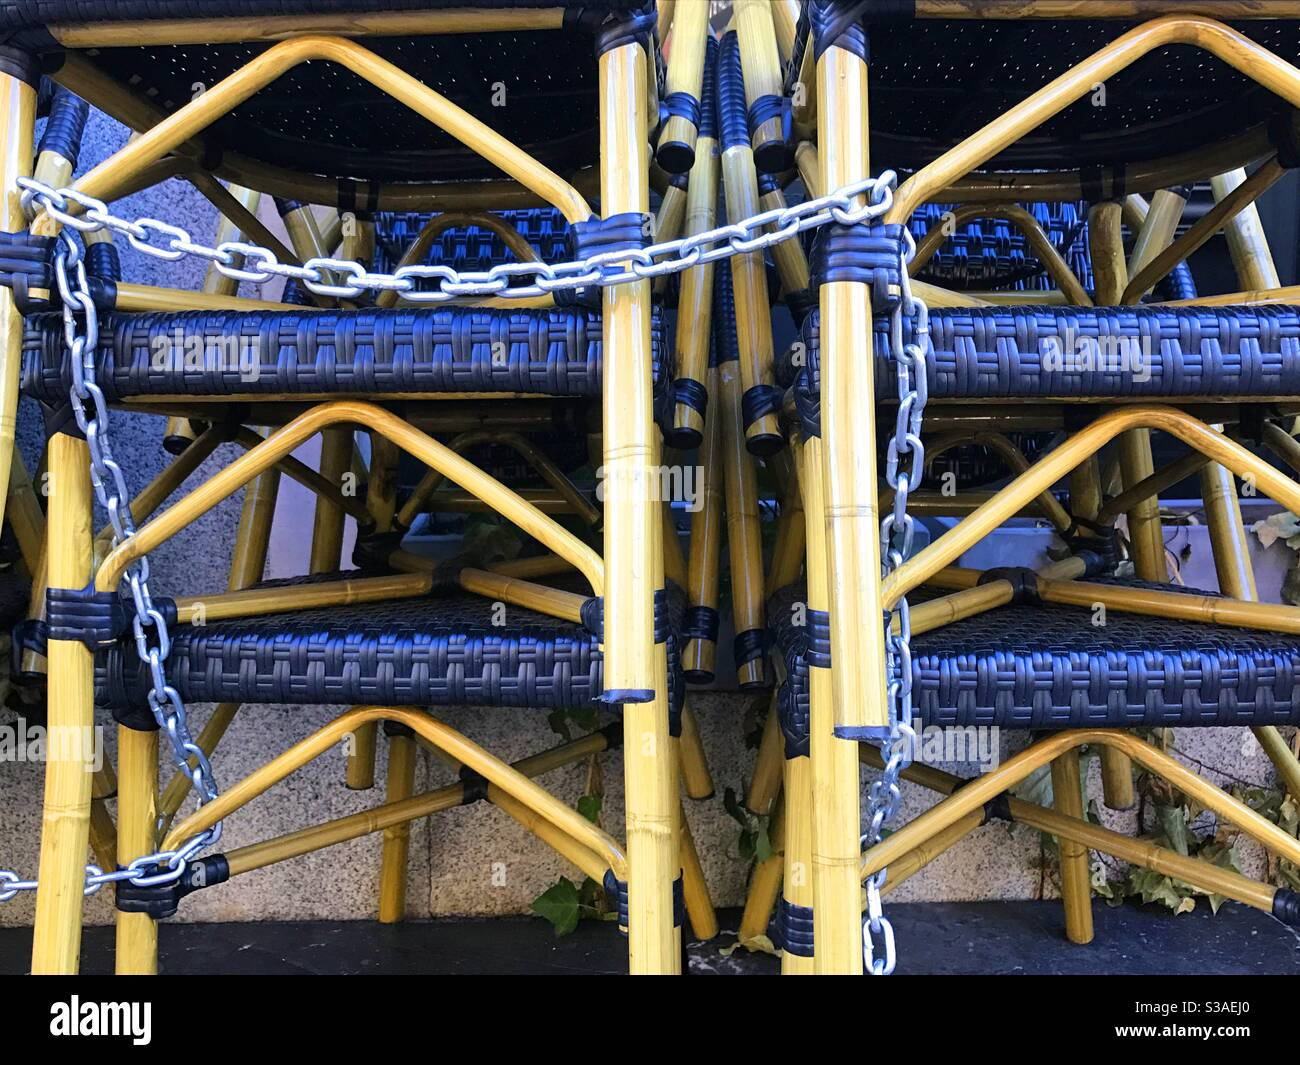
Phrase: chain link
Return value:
(909, 341)
(345, 279)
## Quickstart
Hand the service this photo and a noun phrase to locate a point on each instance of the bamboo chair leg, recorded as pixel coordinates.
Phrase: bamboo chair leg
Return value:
(103, 832)
(769, 766)
(695, 889)
(137, 756)
(1076, 884)
(696, 778)
(635, 667)
(765, 883)
(397, 838)
(65, 822)
(1085, 502)
(797, 881)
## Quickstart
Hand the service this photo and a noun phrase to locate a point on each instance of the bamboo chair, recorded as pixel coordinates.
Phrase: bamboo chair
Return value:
(375, 640)
(1016, 649)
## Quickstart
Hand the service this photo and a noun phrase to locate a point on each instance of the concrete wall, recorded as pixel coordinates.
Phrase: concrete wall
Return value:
(472, 860)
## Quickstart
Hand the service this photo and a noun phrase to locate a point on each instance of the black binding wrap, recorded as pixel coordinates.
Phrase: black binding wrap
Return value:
(870, 252)
(839, 24)
(29, 634)
(1282, 135)
(818, 635)
(1286, 907)
(26, 265)
(677, 157)
(1100, 183)
(592, 613)
(65, 126)
(616, 892)
(619, 28)
(733, 122)
(475, 785)
(163, 900)
(618, 232)
(371, 550)
(94, 618)
(1023, 581)
(750, 646)
(757, 403)
(693, 394)
(19, 61)
(773, 157)
(702, 623)
(708, 125)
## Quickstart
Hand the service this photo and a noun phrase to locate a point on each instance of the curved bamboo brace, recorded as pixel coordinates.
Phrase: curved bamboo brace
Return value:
(461, 748)
(1057, 268)
(1011, 455)
(1055, 465)
(1235, 49)
(982, 789)
(433, 454)
(259, 72)
(439, 224)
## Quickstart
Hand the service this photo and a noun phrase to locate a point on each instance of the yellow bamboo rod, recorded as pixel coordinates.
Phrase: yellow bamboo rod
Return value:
(744, 531)
(696, 778)
(800, 858)
(1146, 533)
(1076, 878)
(695, 299)
(676, 151)
(65, 819)
(1223, 212)
(764, 883)
(397, 838)
(704, 559)
(1153, 237)
(1247, 242)
(761, 64)
(833, 766)
(765, 782)
(137, 802)
(18, 115)
(635, 667)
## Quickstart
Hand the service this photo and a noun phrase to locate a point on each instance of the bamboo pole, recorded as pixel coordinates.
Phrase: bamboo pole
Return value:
(635, 667)
(1247, 242)
(676, 151)
(761, 63)
(744, 531)
(696, 778)
(753, 320)
(18, 115)
(397, 838)
(769, 764)
(798, 876)
(1146, 534)
(833, 768)
(65, 820)
(215, 283)
(764, 883)
(1106, 241)
(1076, 879)
(137, 755)
(704, 560)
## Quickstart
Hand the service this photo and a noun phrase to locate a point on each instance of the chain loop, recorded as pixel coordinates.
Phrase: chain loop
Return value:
(909, 335)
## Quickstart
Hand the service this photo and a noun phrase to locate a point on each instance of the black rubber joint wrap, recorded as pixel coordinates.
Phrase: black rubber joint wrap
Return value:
(624, 27)
(709, 91)
(871, 253)
(65, 126)
(733, 122)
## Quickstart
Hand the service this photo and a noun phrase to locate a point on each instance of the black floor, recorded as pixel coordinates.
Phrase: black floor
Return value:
(946, 938)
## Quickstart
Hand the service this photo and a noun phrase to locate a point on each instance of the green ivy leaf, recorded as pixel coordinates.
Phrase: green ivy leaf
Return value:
(589, 807)
(560, 904)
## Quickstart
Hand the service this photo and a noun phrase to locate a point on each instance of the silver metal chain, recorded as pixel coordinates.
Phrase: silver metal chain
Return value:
(346, 279)
(342, 279)
(909, 341)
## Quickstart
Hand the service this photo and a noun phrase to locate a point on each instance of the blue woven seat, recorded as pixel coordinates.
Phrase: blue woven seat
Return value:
(1039, 666)
(283, 354)
(440, 650)
(1092, 353)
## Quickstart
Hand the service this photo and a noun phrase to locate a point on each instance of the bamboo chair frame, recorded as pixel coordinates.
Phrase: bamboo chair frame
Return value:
(838, 478)
(632, 566)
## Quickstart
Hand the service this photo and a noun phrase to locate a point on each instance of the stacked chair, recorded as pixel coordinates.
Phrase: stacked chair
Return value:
(434, 378)
(1018, 313)
(987, 104)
